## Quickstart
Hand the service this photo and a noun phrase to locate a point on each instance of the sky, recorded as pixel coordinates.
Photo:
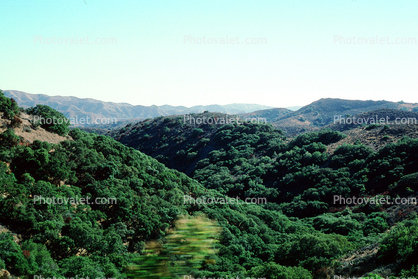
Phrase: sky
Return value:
(278, 53)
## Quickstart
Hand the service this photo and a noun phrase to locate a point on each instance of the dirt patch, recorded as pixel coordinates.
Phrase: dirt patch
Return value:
(28, 133)
(376, 138)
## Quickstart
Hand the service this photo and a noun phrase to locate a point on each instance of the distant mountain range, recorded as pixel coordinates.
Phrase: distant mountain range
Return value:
(73, 107)
(308, 118)
(322, 112)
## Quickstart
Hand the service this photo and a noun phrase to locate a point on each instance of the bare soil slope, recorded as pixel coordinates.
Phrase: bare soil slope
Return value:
(28, 133)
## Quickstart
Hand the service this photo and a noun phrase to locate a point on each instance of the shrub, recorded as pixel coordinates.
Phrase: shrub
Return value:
(275, 271)
(16, 121)
(9, 138)
(402, 243)
(197, 131)
(50, 119)
(12, 256)
(372, 126)
(409, 181)
(8, 106)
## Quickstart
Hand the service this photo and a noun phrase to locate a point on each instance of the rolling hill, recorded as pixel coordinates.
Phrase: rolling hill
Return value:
(300, 176)
(322, 112)
(297, 230)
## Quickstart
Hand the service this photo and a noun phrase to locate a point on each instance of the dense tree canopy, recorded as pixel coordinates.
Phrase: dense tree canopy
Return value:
(135, 202)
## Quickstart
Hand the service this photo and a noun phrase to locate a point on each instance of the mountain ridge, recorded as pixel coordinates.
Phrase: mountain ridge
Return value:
(322, 112)
(72, 106)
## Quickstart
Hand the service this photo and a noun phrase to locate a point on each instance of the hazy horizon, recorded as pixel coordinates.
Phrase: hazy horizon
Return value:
(295, 107)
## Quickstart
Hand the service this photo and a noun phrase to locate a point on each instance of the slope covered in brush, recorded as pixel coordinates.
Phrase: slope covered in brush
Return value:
(256, 160)
(129, 199)
(298, 177)
(139, 199)
(135, 199)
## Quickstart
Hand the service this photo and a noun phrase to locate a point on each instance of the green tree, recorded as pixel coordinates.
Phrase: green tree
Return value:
(8, 106)
(275, 271)
(50, 119)
(12, 255)
(9, 138)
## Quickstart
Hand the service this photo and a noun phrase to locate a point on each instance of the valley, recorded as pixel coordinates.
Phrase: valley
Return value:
(151, 167)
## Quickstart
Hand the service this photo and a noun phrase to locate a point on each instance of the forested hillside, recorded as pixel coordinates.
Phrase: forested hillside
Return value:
(298, 177)
(299, 233)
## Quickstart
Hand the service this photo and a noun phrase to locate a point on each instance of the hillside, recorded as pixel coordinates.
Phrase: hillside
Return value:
(301, 177)
(322, 112)
(246, 156)
(397, 124)
(28, 132)
(376, 137)
(271, 115)
(379, 117)
(293, 231)
(108, 113)
(144, 199)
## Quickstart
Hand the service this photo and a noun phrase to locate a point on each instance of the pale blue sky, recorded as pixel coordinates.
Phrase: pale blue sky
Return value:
(299, 62)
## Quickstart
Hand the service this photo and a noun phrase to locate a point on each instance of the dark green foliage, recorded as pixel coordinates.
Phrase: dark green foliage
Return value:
(29, 258)
(351, 156)
(375, 225)
(372, 126)
(391, 163)
(39, 259)
(409, 181)
(401, 243)
(9, 138)
(275, 271)
(92, 267)
(326, 137)
(12, 255)
(149, 199)
(297, 234)
(8, 107)
(413, 272)
(50, 119)
(312, 251)
(336, 223)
